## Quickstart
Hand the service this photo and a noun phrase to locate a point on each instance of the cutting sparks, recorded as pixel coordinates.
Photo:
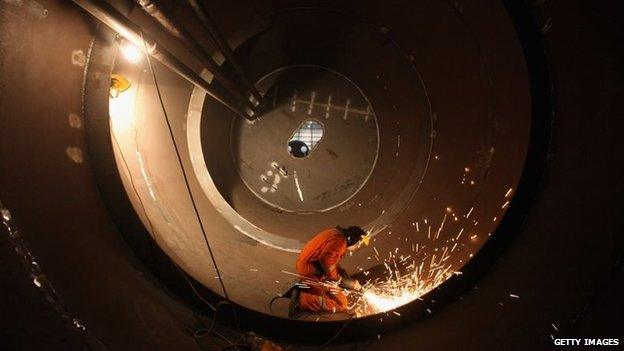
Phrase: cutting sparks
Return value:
(406, 277)
(403, 283)
(384, 302)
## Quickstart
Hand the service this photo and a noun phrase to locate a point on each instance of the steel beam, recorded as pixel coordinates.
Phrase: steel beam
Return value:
(222, 44)
(111, 17)
(184, 37)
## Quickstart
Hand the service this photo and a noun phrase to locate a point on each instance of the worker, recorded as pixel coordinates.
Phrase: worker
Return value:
(319, 263)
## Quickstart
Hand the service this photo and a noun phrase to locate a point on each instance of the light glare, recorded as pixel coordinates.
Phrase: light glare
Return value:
(131, 52)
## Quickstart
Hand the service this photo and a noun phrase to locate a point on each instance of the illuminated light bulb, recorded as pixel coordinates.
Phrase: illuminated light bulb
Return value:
(132, 53)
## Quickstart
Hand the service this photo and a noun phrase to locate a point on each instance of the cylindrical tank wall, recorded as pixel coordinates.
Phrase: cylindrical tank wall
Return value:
(47, 183)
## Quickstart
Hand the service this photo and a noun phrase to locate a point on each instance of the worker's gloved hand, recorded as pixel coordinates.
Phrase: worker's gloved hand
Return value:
(350, 284)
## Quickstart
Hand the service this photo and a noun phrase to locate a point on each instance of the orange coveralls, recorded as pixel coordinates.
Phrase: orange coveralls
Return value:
(324, 251)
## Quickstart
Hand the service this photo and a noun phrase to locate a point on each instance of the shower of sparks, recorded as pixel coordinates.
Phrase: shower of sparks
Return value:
(408, 276)
(383, 303)
(403, 283)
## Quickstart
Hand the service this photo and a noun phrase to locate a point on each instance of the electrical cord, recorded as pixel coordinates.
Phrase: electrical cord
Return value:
(193, 287)
(287, 295)
(198, 333)
(335, 336)
(136, 192)
(186, 181)
(275, 299)
(151, 226)
(201, 333)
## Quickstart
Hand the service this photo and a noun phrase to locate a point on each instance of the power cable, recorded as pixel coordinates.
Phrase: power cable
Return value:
(151, 228)
(188, 188)
(200, 333)
(193, 288)
(186, 181)
(136, 192)
(204, 332)
(335, 336)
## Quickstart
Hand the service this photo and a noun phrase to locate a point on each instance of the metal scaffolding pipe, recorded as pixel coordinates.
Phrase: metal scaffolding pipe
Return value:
(116, 21)
(222, 44)
(182, 35)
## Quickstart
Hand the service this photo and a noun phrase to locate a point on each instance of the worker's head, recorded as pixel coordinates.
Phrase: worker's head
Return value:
(353, 234)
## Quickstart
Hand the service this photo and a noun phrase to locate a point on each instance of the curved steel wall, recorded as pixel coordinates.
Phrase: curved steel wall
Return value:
(48, 184)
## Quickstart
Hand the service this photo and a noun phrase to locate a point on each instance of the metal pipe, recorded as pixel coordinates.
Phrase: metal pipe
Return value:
(195, 48)
(222, 44)
(111, 17)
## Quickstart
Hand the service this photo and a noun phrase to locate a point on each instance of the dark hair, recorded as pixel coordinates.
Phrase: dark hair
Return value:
(353, 234)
